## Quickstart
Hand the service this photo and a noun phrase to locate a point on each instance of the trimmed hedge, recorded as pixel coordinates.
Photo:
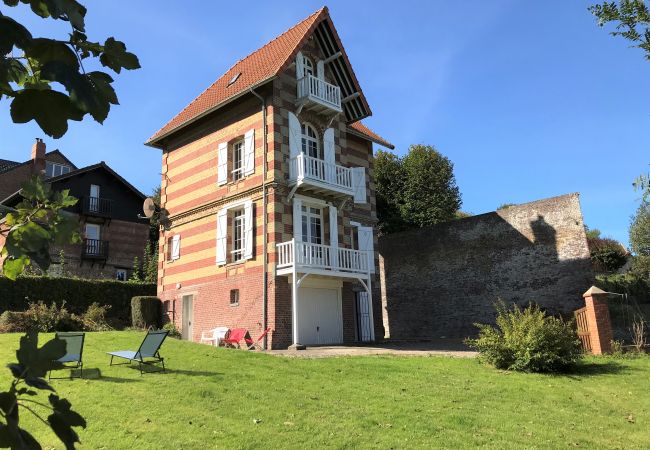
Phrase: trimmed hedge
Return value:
(77, 293)
(146, 311)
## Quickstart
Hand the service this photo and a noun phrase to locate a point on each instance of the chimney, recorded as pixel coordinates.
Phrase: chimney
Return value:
(38, 156)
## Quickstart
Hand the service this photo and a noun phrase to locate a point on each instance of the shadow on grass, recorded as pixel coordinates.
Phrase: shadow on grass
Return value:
(150, 369)
(95, 374)
(585, 369)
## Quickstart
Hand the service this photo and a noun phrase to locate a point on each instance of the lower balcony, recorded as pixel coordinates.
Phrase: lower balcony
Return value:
(94, 249)
(305, 257)
(318, 176)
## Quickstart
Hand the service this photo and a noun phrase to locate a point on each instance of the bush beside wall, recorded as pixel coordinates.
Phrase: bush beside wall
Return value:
(146, 311)
(78, 294)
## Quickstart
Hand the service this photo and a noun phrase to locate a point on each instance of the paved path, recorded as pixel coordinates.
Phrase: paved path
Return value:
(445, 347)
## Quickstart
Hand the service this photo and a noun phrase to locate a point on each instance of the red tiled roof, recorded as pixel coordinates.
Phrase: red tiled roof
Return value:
(258, 67)
(367, 132)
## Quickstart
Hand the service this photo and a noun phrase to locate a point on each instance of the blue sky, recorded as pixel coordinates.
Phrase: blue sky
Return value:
(528, 99)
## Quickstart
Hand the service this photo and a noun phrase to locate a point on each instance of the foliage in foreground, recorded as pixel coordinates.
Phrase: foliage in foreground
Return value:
(36, 223)
(28, 375)
(631, 19)
(527, 340)
(32, 68)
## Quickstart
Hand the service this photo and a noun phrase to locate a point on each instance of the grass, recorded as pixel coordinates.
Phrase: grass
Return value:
(218, 398)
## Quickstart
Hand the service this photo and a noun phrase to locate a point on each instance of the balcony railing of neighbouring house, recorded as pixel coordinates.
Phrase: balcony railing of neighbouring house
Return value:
(315, 89)
(97, 206)
(305, 255)
(94, 249)
(303, 167)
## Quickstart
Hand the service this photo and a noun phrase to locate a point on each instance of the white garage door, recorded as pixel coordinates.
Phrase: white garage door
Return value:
(320, 319)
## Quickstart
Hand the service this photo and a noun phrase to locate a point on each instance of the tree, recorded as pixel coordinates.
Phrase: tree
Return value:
(632, 19)
(640, 239)
(415, 191)
(38, 221)
(32, 67)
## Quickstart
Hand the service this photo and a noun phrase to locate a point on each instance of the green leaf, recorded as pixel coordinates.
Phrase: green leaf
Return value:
(44, 50)
(39, 361)
(102, 83)
(11, 267)
(116, 57)
(81, 88)
(12, 34)
(35, 188)
(50, 109)
(11, 71)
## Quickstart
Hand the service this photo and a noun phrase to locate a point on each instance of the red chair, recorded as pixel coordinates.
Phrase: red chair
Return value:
(235, 336)
(254, 344)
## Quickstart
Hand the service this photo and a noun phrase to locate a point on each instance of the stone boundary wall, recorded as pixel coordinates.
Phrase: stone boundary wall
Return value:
(438, 281)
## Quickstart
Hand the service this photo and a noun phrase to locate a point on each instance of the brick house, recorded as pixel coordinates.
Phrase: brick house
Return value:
(266, 176)
(107, 209)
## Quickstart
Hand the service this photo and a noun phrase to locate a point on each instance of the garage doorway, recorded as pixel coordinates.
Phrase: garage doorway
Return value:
(321, 320)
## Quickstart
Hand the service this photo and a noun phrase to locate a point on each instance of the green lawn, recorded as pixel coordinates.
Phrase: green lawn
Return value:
(218, 398)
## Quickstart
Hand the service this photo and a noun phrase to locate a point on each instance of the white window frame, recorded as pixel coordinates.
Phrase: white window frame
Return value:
(173, 247)
(306, 213)
(224, 248)
(56, 167)
(238, 233)
(306, 140)
(237, 158)
(307, 65)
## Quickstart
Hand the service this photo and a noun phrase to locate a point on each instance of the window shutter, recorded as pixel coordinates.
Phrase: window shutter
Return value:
(222, 235)
(249, 220)
(176, 247)
(249, 152)
(366, 244)
(329, 151)
(320, 70)
(222, 164)
(297, 219)
(359, 184)
(295, 136)
(300, 66)
(334, 235)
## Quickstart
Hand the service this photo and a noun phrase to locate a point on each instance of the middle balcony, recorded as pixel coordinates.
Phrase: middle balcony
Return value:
(321, 177)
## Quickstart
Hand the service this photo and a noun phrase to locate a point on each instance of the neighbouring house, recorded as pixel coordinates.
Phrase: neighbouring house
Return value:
(437, 282)
(108, 208)
(266, 177)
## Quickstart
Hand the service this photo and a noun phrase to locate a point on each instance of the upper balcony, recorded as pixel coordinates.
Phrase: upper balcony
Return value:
(319, 176)
(305, 257)
(318, 95)
(97, 206)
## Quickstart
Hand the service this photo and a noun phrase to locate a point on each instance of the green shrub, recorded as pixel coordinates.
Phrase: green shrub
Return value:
(637, 287)
(527, 340)
(40, 317)
(78, 294)
(607, 255)
(173, 331)
(14, 322)
(94, 319)
(146, 312)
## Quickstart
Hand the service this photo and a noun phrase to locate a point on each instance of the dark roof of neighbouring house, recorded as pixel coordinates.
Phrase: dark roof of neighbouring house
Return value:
(5, 165)
(265, 64)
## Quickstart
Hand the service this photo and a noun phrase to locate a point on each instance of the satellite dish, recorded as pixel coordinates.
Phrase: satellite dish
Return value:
(149, 207)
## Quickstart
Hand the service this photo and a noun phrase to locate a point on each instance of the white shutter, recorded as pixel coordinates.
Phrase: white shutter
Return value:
(249, 219)
(320, 70)
(300, 66)
(297, 219)
(222, 235)
(176, 247)
(329, 152)
(334, 235)
(359, 184)
(249, 152)
(222, 164)
(295, 136)
(366, 243)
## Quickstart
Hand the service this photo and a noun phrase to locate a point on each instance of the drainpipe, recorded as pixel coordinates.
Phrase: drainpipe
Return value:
(265, 255)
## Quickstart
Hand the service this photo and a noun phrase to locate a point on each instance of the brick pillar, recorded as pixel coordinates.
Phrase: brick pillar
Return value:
(600, 325)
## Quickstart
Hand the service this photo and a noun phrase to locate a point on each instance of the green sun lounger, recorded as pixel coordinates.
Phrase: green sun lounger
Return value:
(74, 352)
(148, 353)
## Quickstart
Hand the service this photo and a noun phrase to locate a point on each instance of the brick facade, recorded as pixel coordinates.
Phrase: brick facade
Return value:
(193, 197)
(438, 281)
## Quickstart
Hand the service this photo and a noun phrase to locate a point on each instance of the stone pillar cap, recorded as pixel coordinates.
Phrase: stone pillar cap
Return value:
(594, 291)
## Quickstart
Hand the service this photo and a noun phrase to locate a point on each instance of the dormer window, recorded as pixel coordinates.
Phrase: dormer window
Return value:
(310, 144)
(54, 169)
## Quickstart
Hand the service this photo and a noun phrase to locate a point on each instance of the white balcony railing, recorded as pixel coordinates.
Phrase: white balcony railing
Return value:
(315, 89)
(317, 256)
(303, 167)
